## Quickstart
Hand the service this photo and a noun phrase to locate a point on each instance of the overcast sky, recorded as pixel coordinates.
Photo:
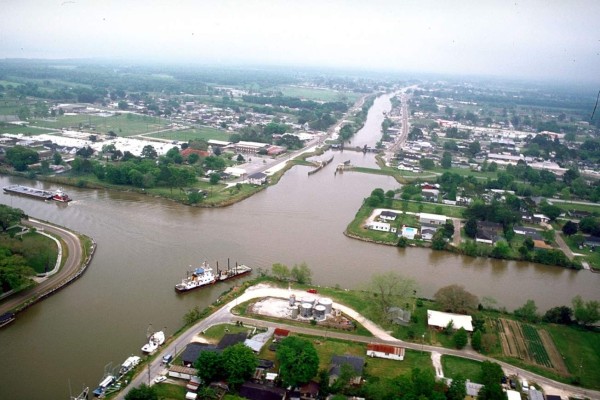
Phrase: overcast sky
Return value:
(540, 39)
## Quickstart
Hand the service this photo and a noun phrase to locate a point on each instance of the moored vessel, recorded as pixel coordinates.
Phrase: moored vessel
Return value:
(6, 318)
(229, 273)
(155, 340)
(129, 364)
(197, 278)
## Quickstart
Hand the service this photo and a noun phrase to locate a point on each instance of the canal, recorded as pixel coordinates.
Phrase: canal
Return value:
(145, 245)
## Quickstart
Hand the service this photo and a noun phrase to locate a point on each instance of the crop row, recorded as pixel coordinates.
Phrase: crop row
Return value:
(535, 347)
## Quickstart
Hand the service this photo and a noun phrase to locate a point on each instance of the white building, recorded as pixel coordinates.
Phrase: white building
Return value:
(440, 319)
(379, 226)
(432, 219)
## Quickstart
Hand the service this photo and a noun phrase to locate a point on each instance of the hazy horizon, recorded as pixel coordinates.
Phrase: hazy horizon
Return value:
(538, 40)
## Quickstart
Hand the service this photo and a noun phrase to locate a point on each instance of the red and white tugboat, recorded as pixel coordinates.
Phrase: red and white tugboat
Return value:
(61, 196)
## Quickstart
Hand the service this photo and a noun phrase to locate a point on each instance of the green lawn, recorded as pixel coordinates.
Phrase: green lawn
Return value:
(593, 208)
(318, 94)
(121, 124)
(202, 133)
(166, 391)
(216, 332)
(455, 366)
(27, 130)
(40, 251)
(581, 351)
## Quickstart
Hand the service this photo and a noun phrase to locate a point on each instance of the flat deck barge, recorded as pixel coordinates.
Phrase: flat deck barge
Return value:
(29, 192)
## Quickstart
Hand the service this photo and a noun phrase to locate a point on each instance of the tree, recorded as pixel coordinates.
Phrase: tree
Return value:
(474, 147)
(438, 242)
(10, 216)
(210, 366)
(427, 163)
(528, 311)
(491, 376)
(476, 340)
(214, 178)
(390, 289)
(144, 392)
(280, 272)
(457, 389)
(446, 160)
(559, 315)
(298, 360)
(122, 104)
(56, 158)
(20, 157)
(240, 158)
(471, 228)
(454, 298)
(448, 229)
(460, 338)
(586, 313)
(301, 273)
(570, 228)
(149, 152)
(550, 210)
(239, 363)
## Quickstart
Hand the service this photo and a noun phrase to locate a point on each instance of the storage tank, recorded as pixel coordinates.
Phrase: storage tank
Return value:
(320, 312)
(327, 302)
(306, 310)
(292, 299)
(308, 299)
(294, 311)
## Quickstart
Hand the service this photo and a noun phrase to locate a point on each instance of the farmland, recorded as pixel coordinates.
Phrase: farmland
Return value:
(527, 343)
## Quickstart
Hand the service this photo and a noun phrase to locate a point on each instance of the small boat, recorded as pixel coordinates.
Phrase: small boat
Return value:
(197, 278)
(61, 196)
(229, 273)
(129, 364)
(83, 395)
(6, 318)
(106, 382)
(155, 340)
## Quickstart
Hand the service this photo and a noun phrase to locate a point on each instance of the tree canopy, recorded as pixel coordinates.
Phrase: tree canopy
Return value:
(298, 360)
(454, 298)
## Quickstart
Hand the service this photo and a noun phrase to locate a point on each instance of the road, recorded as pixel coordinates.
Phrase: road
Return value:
(70, 266)
(224, 315)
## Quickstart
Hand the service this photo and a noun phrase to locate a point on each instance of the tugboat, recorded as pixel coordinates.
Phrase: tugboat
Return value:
(197, 278)
(61, 196)
(6, 319)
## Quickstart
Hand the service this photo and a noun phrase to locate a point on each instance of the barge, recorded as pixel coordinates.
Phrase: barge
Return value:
(40, 194)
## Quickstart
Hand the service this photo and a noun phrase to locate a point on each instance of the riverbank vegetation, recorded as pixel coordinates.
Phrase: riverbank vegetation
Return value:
(23, 252)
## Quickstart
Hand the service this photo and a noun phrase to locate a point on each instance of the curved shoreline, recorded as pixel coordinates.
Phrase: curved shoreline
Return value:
(73, 268)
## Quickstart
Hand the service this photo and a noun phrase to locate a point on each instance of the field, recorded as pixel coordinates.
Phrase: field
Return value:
(317, 94)
(26, 130)
(121, 124)
(455, 366)
(533, 346)
(203, 133)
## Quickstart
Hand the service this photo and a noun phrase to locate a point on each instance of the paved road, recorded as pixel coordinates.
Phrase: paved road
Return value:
(379, 336)
(70, 267)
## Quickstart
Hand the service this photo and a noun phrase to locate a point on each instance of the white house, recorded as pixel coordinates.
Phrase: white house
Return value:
(440, 319)
(257, 179)
(432, 219)
(385, 351)
(379, 226)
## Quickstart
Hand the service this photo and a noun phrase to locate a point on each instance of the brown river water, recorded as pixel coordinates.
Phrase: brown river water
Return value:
(145, 245)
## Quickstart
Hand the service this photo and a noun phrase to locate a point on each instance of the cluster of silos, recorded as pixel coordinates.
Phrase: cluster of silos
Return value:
(309, 307)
